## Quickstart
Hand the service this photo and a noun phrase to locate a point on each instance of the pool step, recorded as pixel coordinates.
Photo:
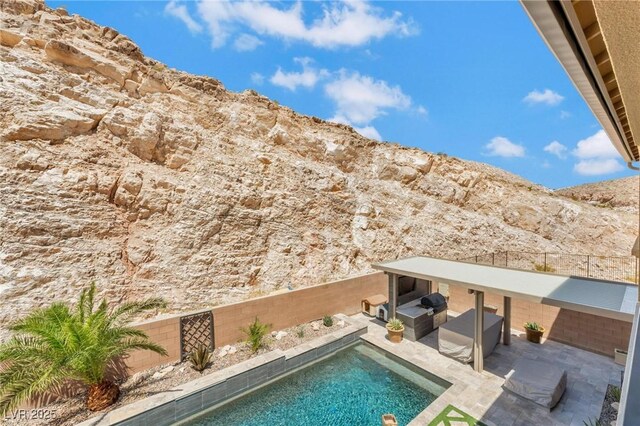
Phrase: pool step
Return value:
(397, 366)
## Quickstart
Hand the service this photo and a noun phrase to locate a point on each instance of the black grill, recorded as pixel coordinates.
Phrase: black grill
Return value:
(435, 301)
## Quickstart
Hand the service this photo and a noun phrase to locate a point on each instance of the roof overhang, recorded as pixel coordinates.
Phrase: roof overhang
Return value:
(608, 299)
(597, 43)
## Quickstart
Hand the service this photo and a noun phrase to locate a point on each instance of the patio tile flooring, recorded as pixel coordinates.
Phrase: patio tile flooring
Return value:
(481, 395)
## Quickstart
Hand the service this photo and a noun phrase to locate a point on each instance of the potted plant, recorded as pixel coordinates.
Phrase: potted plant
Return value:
(534, 331)
(395, 328)
(620, 356)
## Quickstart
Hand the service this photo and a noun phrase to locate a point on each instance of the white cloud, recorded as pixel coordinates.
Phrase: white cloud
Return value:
(308, 77)
(257, 78)
(360, 99)
(247, 43)
(371, 55)
(503, 147)
(547, 96)
(597, 167)
(351, 23)
(596, 146)
(557, 149)
(597, 155)
(181, 12)
(369, 132)
(564, 114)
(340, 119)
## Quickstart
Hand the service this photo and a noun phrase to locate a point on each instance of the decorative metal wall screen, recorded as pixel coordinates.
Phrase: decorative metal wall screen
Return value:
(196, 330)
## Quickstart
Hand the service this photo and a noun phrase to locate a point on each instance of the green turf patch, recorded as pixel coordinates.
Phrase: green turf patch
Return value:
(452, 416)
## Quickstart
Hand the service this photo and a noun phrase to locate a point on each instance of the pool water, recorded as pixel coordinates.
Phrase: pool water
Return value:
(354, 386)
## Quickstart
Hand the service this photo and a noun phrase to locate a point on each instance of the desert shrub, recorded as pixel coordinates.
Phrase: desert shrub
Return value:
(327, 320)
(543, 268)
(616, 392)
(255, 334)
(200, 358)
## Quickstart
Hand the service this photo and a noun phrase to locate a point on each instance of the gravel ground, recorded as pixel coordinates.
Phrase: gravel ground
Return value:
(143, 384)
(608, 413)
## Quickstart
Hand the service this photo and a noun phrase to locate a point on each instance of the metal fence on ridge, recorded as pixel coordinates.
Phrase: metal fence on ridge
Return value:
(614, 268)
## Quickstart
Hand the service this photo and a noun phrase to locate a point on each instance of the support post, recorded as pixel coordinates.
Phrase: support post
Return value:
(393, 294)
(478, 358)
(506, 331)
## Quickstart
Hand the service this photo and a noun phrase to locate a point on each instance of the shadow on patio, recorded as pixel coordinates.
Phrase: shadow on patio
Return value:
(481, 395)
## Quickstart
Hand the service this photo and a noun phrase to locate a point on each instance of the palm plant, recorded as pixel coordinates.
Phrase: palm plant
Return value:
(53, 345)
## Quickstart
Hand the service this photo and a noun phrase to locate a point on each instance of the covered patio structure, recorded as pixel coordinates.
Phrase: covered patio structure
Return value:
(607, 299)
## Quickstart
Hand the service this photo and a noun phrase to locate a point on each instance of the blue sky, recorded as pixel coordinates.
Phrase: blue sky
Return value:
(473, 80)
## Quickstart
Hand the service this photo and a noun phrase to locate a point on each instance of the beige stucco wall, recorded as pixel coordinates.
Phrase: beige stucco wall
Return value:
(620, 25)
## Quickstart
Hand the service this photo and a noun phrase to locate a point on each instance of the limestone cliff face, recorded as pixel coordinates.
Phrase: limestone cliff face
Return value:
(148, 180)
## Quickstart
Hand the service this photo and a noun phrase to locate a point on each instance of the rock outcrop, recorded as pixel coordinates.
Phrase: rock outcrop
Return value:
(148, 180)
(618, 194)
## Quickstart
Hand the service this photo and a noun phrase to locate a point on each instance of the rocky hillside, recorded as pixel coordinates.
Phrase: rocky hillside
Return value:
(619, 194)
(148, 180)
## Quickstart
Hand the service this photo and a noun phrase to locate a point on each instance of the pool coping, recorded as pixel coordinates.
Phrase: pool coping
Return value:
(436, 406)
(459, 382)
(186, 400)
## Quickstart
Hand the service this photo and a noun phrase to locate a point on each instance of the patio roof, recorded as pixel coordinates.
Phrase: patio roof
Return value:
(596, 43)
(608, 299)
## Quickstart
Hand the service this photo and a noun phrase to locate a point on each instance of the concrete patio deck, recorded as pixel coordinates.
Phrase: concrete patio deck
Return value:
(481, 395)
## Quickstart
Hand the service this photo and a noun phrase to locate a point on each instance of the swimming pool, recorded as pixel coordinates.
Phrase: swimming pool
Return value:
(354, 386)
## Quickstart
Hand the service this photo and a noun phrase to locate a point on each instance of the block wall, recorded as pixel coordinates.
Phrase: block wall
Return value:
(585, 331)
